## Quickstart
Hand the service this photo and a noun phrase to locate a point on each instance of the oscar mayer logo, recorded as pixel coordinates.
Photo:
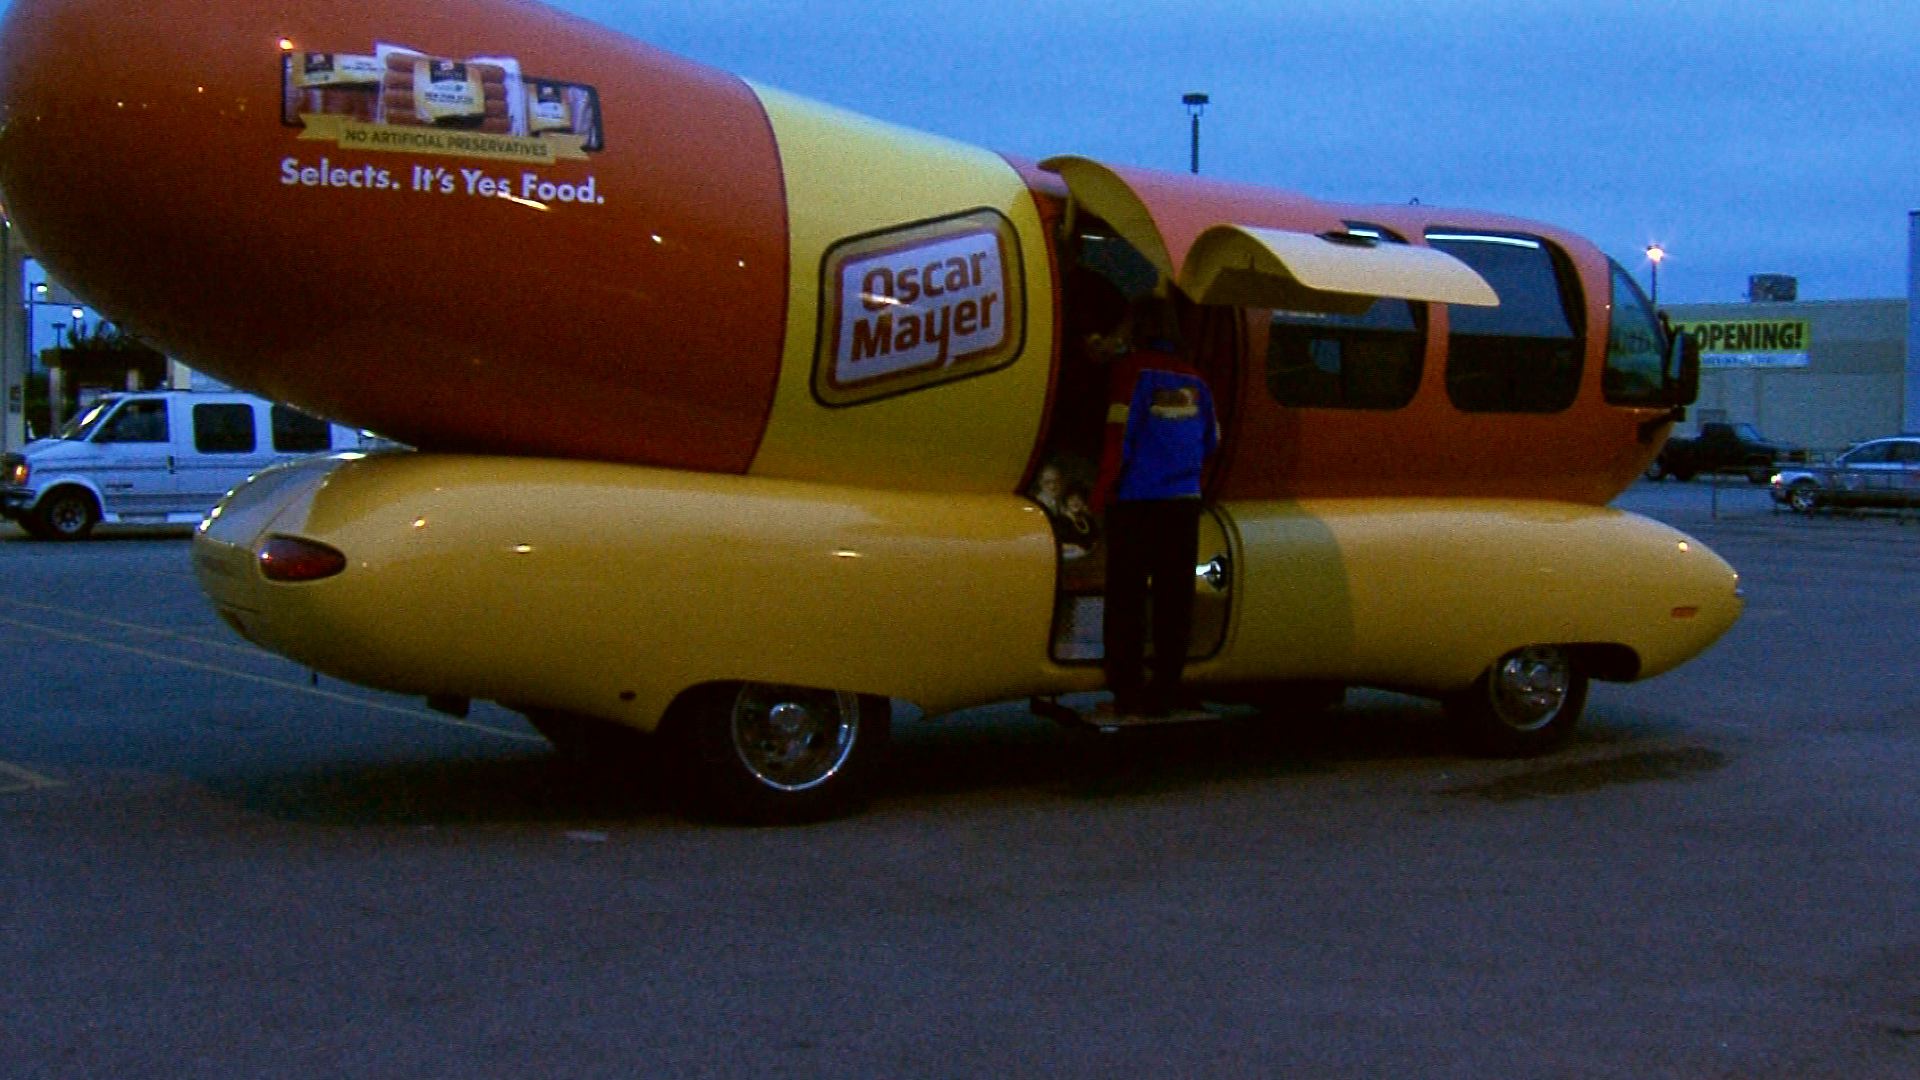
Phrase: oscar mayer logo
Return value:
(918, 306)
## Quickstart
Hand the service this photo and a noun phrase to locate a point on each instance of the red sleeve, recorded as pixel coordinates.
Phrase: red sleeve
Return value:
(1120, 382)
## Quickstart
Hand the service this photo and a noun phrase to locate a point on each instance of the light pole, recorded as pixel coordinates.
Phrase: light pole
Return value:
(33, 313)
(1655, 253)
(1196, 104)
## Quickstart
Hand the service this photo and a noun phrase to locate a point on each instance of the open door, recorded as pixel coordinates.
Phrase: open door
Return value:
(1226, 248)
(1102, 272)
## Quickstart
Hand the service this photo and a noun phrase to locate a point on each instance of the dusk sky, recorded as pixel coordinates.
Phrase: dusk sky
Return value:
(1745, 138)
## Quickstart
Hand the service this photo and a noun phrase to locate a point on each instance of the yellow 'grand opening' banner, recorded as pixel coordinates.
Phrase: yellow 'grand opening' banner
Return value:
(1750, 342)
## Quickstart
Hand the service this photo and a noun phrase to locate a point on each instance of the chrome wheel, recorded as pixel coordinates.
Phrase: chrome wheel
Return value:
(1803, 497)
(1526, 703)
(1529, 687)
(793, 739)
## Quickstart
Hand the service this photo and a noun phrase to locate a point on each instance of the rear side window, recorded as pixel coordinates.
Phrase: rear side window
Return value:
(294, 432)
(1871, 454)
(1369, 361)
(1524, 355)
(223, 429)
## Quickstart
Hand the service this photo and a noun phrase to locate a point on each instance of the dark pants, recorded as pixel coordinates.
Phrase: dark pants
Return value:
(1151, 548)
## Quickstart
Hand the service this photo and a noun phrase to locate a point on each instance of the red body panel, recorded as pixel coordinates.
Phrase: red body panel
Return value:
(1587, 453)
(633, 308)
(146, 161)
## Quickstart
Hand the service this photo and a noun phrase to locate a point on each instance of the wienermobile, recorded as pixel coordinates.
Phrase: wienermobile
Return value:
(727, 407)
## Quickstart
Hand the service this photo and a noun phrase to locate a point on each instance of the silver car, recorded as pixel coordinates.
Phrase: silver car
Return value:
(1882, 472)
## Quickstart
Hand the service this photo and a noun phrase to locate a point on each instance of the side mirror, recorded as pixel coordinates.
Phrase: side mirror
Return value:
(1683, 370)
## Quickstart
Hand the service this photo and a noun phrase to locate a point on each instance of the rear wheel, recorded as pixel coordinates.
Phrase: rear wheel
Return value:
(763, 753)
(67, 513)
(1526, 704)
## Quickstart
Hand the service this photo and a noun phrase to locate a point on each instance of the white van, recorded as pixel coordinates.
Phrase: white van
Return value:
(163, 457)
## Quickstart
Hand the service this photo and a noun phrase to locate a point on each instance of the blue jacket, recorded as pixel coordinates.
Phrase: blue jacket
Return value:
(1160, 430)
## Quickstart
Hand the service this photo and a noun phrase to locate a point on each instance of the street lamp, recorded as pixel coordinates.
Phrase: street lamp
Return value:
(1196, 104)
(1655, 253)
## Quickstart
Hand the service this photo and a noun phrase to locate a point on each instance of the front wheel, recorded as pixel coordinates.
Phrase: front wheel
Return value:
(762, 753)
(1526, 704)
(67, 513)
(1803, 497)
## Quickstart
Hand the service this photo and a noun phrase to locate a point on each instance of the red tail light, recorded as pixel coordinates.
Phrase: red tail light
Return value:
(288, 558)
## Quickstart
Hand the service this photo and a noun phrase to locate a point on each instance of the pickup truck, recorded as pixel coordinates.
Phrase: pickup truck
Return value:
(1722, 448)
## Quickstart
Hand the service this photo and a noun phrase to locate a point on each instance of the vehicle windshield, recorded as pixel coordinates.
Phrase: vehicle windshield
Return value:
(82, 427)
(1749, 432)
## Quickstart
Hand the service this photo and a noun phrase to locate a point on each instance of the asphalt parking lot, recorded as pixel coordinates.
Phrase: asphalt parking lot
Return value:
(211, 865)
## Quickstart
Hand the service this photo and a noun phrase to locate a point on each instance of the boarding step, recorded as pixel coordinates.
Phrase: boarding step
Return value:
(1102, 717)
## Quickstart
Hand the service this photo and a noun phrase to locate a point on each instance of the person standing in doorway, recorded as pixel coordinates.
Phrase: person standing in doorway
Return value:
(1161, 430)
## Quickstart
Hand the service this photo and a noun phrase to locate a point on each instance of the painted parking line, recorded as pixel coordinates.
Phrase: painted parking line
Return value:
(14, 779)
(278, 684)
(122, 624)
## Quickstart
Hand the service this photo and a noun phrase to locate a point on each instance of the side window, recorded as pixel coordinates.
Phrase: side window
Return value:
(223, 429)
(1369, 361)
(142, 420)
(1524, 355)
(294, 432)
(1636, 363)
(1871, 454)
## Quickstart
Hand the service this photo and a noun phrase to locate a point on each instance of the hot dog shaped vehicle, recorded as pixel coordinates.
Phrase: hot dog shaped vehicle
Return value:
(728, 404)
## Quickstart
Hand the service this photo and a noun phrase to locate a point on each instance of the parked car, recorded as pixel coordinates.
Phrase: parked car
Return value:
(1882, 472)
(163, 457)
(1719, 448)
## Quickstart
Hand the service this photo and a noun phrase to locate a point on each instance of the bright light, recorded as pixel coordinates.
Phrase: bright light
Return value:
(1655, 253)
(286, 44)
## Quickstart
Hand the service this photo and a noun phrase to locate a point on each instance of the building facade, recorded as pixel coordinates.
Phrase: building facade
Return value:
(1822, 374)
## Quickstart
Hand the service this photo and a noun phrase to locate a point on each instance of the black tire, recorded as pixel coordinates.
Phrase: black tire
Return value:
(67, 513)
(1656, 472)
(1682, 475)
(1526, 704)
(1803, 496)
(764, 754)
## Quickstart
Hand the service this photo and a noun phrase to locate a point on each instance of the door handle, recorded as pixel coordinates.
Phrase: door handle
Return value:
(1217, 572)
